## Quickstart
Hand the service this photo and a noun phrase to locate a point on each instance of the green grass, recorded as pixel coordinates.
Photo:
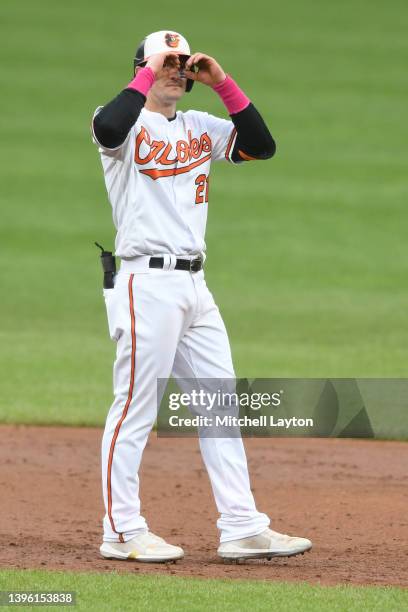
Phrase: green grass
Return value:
(307, 253)
(104, 592)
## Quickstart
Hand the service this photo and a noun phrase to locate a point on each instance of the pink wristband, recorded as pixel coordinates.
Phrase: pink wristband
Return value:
(233, 97)
(143, 80)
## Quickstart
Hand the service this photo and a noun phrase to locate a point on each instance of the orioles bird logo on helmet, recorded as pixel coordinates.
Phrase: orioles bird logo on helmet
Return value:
(172, 40)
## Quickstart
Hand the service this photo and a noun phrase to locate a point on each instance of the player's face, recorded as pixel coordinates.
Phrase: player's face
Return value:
(169, 85)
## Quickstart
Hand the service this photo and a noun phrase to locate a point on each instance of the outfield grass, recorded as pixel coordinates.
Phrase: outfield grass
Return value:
(100, 592)
(307, 253)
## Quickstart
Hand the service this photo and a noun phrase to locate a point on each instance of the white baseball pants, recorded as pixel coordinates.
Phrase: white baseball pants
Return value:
(165, 322)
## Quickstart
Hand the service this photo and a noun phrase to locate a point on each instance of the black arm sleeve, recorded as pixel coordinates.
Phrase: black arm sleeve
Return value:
(254, 139)
(114, 121)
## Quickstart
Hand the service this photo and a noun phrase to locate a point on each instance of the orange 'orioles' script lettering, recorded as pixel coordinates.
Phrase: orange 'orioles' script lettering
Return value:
(164, 155)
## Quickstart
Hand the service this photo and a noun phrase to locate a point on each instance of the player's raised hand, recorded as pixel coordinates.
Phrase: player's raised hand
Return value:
(158, 61)
(209, 71)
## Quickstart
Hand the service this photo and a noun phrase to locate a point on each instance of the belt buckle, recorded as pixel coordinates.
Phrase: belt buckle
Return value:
(196, 264)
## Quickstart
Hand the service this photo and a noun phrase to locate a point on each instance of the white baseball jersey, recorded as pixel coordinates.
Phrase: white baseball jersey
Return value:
(157, 181)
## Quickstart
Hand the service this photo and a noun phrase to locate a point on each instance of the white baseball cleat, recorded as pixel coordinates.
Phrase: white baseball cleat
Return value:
(146, 547)
(267, 544)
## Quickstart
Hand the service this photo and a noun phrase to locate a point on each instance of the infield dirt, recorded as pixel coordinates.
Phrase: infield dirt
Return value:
(348, 496)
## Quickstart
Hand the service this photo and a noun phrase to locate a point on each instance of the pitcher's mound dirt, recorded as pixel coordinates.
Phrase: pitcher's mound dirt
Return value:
(348, 496)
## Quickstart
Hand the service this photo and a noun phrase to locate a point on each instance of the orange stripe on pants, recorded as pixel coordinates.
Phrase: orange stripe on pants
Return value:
(126, 408)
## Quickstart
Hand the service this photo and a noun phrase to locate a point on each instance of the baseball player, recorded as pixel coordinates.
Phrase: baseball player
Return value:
(156, 163)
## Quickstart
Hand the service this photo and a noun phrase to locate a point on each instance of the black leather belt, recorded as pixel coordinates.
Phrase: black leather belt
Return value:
(190, 265)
